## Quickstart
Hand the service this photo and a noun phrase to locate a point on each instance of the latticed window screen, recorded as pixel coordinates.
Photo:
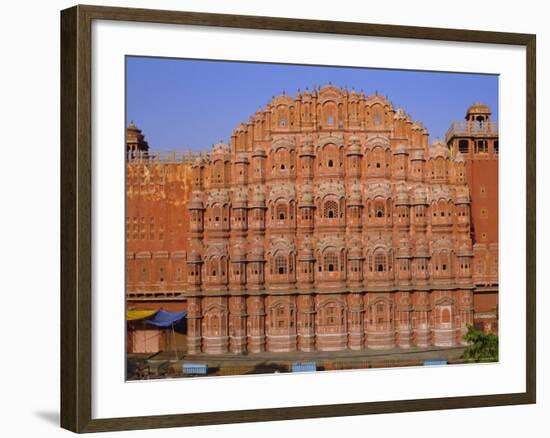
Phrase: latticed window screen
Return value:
(379, 262)
(280, 265)
(281, 211)
(330, 262)
(330, 209)
(463, 146)
(379, 209)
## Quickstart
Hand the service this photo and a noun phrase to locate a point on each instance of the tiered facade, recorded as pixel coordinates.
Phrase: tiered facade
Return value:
(329, 223)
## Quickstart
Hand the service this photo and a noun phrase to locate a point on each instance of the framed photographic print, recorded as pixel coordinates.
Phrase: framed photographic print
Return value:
(268, 218)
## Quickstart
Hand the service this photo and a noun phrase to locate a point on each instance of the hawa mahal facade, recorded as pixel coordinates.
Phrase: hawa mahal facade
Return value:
(328, 223)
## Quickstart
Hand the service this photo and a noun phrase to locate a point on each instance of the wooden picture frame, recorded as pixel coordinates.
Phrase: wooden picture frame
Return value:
(76, 217)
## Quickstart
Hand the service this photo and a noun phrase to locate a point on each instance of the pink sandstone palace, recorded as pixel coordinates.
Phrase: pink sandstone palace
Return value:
(328, 223)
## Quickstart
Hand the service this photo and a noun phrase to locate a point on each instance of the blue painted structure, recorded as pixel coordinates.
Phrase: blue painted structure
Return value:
(299, 367)
(195, 368)
(432, 362)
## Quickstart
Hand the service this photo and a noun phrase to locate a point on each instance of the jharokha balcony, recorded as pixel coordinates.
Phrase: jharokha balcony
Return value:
(471, 128)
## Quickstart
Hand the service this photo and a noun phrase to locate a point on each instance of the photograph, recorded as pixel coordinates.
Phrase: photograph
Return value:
(289, 218)
(275, 219)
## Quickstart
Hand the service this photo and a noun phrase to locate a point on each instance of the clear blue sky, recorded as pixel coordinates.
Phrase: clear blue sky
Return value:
(190, 104)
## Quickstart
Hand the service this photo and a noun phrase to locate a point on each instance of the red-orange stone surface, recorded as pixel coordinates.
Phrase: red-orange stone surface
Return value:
(329, 223)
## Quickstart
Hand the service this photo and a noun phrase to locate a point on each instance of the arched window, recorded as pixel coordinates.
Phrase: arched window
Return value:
(379, 209)
(377, 118)
(330, 209)
(330, 261)
(330, 163)
(280, 265)
(281, 212)
(445, 316)
(213, 266)
(215, 322)
(444, 260)
(218, 171)
(463, 146)
(380, 262)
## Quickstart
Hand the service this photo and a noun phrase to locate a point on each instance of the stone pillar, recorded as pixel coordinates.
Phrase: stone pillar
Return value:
(306, 323)
(356, 326)
(256, 324)
(422, 319)
(237, 324)
(194, 317)
(404, 332)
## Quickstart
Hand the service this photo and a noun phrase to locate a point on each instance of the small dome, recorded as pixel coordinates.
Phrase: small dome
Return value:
(479, 108)
(419, 196)
(194, 256)
(400, 115)
(196, 203)
(401, 148)
(402, 196)
(355, 252)
(354, 149)
(417, 126)
(307, 150)
(133, 128)
(242, 157)
(417, 155)
(463, 197)
(220, 148)
(258, 151)
(439, 149)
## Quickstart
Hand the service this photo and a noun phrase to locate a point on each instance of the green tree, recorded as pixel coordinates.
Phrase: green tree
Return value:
(482, 347)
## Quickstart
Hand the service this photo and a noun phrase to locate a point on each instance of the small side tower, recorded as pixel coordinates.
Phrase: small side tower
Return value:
(475, 140)
(136, 146)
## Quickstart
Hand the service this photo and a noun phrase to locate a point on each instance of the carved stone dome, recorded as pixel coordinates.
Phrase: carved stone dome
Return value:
(401, 148)
(439, 149)
(354, 149)
(242, 157)
(259, 152)
(220, 149)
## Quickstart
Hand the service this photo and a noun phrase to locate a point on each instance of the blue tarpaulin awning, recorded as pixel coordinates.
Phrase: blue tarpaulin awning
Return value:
(166, 319)
(299, 367)
(194, 368)
(435, 362)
